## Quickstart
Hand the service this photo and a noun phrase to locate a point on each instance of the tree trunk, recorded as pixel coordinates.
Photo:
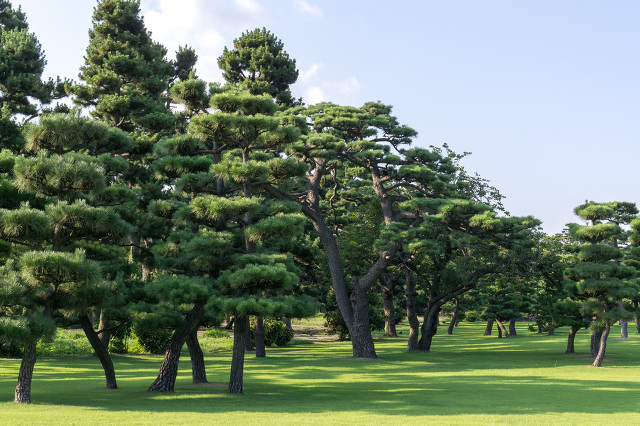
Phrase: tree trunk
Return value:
(198, 369)
(551, 331)
(287, 321)
(512, 327)
(429, 327)
(603, 346)
(248, 346)
(165, 382)
(624, 330)
(229, 324)
(454, 316)
(502, 329)
(105, 330)
(595, 341)
(99, 350)
(412, 315)
(23, 388)
(389, 314)
(487, 331)
(570, 340)
(237, 359)
(361, 338)
(258, 334)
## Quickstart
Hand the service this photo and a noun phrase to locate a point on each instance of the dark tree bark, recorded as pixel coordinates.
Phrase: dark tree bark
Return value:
(570, 340)
(248, 345)
(105, 330)
(429, 327)
(237, 359)
(489, 328)
(512, 327)
(361, 339)
(287, 322)
(501, 329)
(198, 369)
(99, 350)
(229, 324)
(603, 346)
(23, 388)
(551, 331)
(258, 335)
(454, 316)
(595, 342)
(166, 380)
(412, 315)
(387, 284)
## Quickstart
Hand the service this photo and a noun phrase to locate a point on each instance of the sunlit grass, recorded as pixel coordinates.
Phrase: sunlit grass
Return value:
(468, 378)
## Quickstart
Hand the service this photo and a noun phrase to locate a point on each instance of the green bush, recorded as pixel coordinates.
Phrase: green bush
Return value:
(65, 343)
(276, 333)
(10, 350)
(216, 333)
(154, 341)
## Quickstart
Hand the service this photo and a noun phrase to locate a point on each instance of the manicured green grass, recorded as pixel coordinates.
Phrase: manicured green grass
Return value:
(466, 379)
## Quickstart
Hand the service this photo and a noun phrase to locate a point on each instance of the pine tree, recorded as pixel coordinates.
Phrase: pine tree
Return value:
(599, 276)
(52, 272)
(22, 90)
(259, 63)
(261, 275)
(126, 75)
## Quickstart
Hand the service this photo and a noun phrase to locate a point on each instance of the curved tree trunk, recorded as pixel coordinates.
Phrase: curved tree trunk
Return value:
(258, 334)
(165, 382)
(595, 342)
(99, 350)
(23, 388)
(501, 329)
(412, 315)
(237, 359)
(512, 327)
(361, 338)
(571, 339)
(489, 328)
(454, 316)
(429, 327)
(105, 330)
(198, 370)
(603, 347)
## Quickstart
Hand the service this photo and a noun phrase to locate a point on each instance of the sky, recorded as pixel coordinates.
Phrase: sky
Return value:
(545, 94)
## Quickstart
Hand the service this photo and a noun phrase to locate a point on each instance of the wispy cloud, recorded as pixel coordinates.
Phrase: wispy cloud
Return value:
(206, 25)
(307, 8)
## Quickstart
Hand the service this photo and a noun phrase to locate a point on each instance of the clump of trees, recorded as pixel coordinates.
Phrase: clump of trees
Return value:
(179, 203)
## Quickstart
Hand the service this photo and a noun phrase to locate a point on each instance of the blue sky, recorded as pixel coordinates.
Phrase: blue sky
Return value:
(544, 93)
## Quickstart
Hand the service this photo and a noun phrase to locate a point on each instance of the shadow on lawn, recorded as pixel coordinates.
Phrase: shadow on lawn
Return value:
(482, 376)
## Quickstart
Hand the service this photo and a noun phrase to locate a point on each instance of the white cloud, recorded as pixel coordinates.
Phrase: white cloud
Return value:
(347, 86)
(305, 7)
(306, 75)
(206, 25)
(314, 95)
(250, 6)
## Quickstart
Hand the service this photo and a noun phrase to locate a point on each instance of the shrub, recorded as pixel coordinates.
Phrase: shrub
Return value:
(216, 333)
(154, 341)
(276, 333)
(65, 343)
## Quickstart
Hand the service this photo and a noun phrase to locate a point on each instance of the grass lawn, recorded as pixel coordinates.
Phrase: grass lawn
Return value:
(466, 379)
